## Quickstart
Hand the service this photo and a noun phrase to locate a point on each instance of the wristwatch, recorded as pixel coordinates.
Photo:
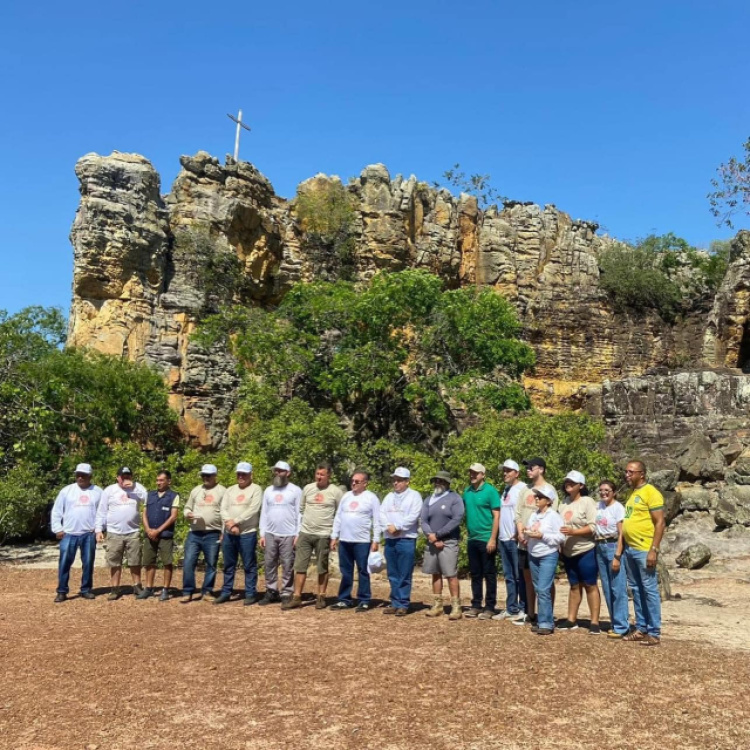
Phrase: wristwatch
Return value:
(655, 549)
(618, 557)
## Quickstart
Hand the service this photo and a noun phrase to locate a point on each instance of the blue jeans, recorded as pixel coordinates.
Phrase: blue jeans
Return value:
(645, 587)
(240, 545)
(399, 558)
(543, 575)
(509, 556)
(614, 586)
(69, 544)
(349, 554)
(206, 542)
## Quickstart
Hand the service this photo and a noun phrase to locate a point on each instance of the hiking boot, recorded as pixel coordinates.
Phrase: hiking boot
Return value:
(145, 594)
(113, 595)
(294, 603)
(164, 596)
(566, 626)
(60, 598)
(88, 595)
(222, 599)
(320, 602)
(271, 597)
(389, 610)
(456, 613)
(472, 612)
(437, 608)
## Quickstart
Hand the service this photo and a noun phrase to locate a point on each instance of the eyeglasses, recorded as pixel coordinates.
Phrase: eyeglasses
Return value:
(605, 492)
(399, 479)
(359, 481)
(628, 472)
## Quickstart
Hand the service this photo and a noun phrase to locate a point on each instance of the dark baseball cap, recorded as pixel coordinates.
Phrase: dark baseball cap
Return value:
(124, 471)
(535, 462)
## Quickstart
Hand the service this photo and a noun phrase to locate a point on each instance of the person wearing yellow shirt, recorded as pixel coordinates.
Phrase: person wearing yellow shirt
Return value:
(639, 540)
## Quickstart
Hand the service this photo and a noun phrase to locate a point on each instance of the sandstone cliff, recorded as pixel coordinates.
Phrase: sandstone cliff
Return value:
(138, 290)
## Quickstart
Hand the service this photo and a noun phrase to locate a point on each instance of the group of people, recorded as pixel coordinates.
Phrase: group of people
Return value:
(525, 522)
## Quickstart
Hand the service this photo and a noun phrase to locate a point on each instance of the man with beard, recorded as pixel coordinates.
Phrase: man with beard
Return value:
(240, 514)
(320, 501)
(279, 529)
(119, 513)
(74, 523)
(203, 510)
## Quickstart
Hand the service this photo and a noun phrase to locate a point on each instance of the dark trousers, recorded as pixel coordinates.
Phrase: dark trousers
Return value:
(242, 546)
(349, 554)
(482, 568)
(399, 557)
(206, 542)
(69, 544)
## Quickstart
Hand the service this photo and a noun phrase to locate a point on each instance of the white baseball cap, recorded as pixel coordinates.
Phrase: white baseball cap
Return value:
(209, 469)
(375, 562)
(402, 473)
(243, 467)
(546, 490)
(283, 465)
(479, 468)
(575, 476)
(509, 464)
(84, 469)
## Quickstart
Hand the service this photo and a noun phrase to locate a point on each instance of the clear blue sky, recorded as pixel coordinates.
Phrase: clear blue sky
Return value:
(618, 112)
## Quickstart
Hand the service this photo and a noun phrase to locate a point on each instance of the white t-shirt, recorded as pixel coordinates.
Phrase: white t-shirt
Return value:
(74, 511)
(402, 510)
(279, 513)
(607, 518)
(357, 518)
(508, 501)
(120, 510)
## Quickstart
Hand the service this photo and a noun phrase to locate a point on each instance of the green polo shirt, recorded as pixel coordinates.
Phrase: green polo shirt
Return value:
(479, 506)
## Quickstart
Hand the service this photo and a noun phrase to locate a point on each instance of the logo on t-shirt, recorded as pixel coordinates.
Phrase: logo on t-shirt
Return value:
(240, 499)
(531, 500)
(278, 498)
(319, 498)
(568, 516)
(602, 520)
(83, 499)
(354, 505)
(536, 526)
(208, 499)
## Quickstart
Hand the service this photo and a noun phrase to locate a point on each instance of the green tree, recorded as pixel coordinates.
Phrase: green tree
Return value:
(731, 193)
(478, 185)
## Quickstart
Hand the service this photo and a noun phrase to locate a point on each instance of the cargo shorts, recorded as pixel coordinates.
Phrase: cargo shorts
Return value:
(119, 546)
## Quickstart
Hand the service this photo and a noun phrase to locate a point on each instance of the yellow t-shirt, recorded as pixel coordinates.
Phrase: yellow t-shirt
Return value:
(637, 526)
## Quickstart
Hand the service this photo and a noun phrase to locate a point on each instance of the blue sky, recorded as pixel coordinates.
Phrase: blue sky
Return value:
(617, 112)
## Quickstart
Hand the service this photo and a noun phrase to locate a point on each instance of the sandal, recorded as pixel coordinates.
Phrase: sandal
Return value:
(636, 635)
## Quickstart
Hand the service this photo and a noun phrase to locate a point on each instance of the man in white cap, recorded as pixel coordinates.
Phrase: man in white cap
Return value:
(482, 503)
(74, 523)
(279, 528)
(508, 541)
(240, 514)
(120, 514)
(399, 519)
(203, 511)
(320, 501)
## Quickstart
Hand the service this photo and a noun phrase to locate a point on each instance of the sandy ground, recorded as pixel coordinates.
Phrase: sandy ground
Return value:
(132, 674)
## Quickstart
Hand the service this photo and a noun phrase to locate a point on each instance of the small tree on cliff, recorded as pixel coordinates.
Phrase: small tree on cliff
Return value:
(731, 194)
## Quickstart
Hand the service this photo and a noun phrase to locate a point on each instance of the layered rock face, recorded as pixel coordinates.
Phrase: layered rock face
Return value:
(145, 273)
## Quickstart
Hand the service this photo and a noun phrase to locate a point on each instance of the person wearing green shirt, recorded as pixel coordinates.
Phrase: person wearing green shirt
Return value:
(482, 502)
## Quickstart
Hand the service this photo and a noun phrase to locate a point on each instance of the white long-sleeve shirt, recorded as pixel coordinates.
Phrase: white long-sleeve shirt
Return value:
(74, 511)
(120, 510)
(279, 514)
(549, 523)
(401, 510)
(357, 518)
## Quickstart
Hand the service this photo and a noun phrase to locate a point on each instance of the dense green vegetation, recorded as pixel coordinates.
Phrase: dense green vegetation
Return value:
(662, 273)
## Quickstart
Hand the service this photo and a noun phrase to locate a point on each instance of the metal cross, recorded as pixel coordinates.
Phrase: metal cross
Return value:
(240, 124)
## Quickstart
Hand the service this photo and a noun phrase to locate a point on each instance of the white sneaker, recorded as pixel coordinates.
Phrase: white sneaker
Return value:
(520, 620)
(502, 615)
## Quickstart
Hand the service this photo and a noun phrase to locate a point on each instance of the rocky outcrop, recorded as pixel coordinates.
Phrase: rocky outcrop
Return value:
(148, 268)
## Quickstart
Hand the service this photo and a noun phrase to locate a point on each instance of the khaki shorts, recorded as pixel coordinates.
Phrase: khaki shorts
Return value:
(306, 545)
(123, 545)
(444, 561)
(163, 547)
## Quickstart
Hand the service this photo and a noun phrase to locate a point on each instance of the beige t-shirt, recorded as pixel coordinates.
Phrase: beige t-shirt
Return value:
(578, 514)
(318, 509)
(206, 506)
(242, 506)
(526, 506)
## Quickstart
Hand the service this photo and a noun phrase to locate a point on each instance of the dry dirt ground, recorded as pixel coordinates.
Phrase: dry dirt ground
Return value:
(145, 674)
